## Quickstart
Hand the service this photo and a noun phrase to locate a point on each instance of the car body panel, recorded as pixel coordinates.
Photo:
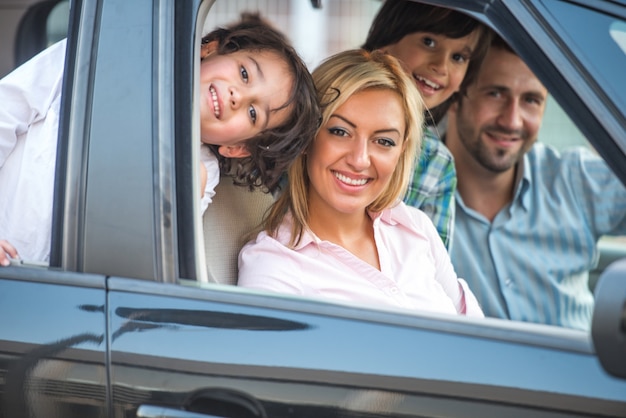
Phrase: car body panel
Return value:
(53, 344)
(210, 335)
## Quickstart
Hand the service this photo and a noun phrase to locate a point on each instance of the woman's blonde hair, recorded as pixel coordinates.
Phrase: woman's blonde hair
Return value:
(337, 79)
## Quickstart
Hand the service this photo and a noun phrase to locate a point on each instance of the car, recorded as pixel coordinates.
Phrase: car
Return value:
(137, 315)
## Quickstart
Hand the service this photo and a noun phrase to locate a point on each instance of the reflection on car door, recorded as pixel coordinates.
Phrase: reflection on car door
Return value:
(52, 344)
(233, 353)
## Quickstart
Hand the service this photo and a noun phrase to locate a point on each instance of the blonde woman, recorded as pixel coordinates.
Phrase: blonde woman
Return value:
(340, 229)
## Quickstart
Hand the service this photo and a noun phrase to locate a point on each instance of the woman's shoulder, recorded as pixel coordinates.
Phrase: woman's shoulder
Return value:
(261, 240)
(277, 241)
(265, 262)
(410, 218)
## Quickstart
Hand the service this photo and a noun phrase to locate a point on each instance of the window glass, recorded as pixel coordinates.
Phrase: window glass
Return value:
(618, 33)
(340, 25)
(558, 129)
(58, 19)
(601, 33)
(560, 132)
(601, 44)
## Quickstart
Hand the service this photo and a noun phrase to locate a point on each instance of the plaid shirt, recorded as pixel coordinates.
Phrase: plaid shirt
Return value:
(434, 184)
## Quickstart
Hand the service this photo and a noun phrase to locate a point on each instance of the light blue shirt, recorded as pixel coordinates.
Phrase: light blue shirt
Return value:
(532, 262)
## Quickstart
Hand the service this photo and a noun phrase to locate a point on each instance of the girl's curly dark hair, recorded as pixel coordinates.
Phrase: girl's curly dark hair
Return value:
(273, 150)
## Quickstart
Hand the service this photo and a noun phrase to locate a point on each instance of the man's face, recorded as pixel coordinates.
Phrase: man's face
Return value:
(499, 118)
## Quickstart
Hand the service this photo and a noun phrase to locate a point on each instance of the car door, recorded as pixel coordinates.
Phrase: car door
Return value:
(226, 352)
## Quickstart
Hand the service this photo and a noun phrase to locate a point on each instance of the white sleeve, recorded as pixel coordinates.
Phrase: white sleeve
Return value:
(213, 176)
(27, 94)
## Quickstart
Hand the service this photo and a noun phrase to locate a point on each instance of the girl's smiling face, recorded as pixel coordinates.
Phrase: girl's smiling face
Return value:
(239, 95)
(437, 63)
(354, 155)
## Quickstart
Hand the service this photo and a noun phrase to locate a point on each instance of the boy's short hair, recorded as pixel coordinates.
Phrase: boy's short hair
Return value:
(399, 18)
(496, 41)
(273, 150)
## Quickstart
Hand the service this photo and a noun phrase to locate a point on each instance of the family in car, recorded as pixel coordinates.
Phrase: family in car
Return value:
(492, 221)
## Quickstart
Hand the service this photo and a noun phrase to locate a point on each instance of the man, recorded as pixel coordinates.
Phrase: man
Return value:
(527, 218)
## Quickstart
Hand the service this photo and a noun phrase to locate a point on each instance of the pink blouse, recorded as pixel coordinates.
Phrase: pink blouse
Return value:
(416, 272)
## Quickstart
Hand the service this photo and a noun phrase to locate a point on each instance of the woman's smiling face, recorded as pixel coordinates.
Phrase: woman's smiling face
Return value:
(239, 95)
(354, 155)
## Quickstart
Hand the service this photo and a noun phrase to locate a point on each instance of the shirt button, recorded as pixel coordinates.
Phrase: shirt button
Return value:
(394, 290)
(508, 282)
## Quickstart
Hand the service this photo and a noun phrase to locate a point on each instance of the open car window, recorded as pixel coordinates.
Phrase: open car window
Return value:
(343, 25)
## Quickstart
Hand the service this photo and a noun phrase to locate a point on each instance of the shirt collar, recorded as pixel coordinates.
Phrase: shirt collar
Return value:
(283, 235)
(388, 216)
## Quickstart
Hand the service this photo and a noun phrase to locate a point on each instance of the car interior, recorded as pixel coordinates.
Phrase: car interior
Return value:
(222, 259)
(42, 25)
(227, 223)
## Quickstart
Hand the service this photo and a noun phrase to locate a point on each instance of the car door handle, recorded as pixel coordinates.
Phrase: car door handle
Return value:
(153, 411)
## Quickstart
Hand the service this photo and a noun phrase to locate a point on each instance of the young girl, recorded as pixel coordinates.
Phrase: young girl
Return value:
(257, 104)
(339, 230)
(440, 49)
